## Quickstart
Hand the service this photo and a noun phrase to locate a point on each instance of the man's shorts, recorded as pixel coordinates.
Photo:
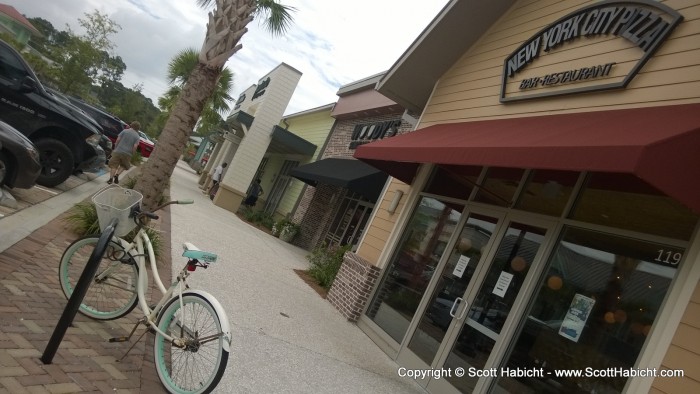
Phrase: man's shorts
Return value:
(120, 159)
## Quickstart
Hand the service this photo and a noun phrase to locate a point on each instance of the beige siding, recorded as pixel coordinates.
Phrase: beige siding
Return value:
(379, 229)
(313, 127)
(470, 89)
(684, 352)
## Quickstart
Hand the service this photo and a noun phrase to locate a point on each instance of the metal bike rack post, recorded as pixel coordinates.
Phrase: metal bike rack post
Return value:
(79, 292)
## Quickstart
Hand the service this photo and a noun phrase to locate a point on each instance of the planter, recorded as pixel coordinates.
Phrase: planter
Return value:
(287, 236)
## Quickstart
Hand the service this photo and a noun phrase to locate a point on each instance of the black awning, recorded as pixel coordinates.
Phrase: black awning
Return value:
(351, 174)
(285, 142)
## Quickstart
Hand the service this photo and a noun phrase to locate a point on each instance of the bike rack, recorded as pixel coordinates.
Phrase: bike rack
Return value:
(79, 292)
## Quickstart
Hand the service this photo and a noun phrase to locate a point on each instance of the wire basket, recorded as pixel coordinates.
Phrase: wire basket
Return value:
(116, 202)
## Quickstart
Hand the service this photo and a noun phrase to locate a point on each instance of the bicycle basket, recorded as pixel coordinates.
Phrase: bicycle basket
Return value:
(116, 202)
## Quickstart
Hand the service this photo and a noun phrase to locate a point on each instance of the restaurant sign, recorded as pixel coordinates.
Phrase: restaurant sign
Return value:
(368, 132)
(642, 25)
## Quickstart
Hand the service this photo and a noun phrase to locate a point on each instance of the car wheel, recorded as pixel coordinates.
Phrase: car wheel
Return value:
(56, 162)
(4, 168)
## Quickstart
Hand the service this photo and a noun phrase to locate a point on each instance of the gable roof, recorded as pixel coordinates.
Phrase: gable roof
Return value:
(14, 14)
(455, 29)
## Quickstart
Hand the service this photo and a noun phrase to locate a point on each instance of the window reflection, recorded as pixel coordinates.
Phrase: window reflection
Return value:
(595, 307)
(453, 181)
(500, 186)
(547, 191)
(624, 201)
(407, 276)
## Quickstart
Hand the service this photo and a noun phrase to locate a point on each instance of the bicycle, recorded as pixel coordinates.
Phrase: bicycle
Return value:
(190, 326)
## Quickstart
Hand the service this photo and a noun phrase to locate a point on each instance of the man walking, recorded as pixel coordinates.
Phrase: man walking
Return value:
(127, 142)
(216, 178)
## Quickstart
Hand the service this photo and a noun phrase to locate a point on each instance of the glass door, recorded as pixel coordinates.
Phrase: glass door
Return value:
(488, 300)
(456, 274)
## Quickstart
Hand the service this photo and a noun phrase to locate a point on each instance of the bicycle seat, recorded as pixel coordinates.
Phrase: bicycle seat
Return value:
(193, 252)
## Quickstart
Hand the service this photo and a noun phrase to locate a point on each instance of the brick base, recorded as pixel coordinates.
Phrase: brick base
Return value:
(353, 285)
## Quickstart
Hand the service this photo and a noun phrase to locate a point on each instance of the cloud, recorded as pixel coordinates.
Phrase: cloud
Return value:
(332, 43)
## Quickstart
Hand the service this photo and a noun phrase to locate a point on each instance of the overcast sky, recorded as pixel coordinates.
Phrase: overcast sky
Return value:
(332, 43)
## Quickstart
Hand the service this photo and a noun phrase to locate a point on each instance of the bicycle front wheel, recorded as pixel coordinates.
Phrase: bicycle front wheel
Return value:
(195, 361)
(112, 293)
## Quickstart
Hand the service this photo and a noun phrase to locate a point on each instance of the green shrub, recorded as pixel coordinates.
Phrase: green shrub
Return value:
(325, 263)
(82, 219)
(257, 217)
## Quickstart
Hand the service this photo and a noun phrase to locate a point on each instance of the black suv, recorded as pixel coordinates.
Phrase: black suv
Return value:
(111, 125)
(67, 141)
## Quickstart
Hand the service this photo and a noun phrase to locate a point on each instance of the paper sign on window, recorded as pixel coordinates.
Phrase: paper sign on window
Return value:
(575, 319)
(502, 284)
(462, 264)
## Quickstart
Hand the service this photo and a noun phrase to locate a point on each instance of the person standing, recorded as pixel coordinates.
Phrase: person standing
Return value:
(256, 191)
(127, 142)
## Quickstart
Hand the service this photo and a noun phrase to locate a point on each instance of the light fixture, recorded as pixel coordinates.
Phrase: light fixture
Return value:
(395, 202)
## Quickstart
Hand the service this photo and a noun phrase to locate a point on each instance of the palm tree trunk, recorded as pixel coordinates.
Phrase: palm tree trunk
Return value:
(157, 170)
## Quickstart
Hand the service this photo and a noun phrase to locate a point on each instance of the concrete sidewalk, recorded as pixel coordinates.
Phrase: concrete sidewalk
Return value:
(286, 338)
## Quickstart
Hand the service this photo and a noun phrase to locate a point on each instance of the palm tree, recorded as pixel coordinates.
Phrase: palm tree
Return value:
(179, 70)
(227, 24)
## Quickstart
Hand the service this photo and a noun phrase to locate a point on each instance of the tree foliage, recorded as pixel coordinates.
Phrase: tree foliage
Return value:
(179, 70)
(85, 66)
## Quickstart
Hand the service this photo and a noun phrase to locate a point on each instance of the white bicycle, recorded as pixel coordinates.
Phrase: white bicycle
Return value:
(192, 335)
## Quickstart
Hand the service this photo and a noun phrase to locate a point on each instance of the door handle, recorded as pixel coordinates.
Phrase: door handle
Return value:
(454, 304)
(464, 311)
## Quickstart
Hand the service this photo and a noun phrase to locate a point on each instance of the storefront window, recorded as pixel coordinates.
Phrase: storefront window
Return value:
(413, 265)
(624, 201)
(453, 181)
(350, 220)
(547, 191)
(500, 186)
(595, 307)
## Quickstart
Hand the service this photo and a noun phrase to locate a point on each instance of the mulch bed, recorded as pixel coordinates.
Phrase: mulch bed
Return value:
(304, 275)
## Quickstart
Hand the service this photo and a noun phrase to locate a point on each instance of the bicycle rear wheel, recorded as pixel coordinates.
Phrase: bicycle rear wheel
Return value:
(196, 367)
(112, 293)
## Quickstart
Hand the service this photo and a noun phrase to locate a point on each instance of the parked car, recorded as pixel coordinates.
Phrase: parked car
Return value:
(112, 126)
(67, 141)
(19, 159)
(105, 143)
(146, 145)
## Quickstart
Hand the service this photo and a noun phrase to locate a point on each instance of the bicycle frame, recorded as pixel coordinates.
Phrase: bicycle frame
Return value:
(150, 315)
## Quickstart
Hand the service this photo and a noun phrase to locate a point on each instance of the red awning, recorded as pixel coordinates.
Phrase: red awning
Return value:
(660, 145)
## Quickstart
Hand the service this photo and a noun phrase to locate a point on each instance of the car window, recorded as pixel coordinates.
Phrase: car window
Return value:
(11, 67)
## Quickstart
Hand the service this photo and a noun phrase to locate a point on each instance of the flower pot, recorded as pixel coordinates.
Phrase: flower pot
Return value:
(287, 236)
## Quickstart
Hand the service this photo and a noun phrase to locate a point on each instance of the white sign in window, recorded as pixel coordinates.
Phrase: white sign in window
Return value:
(462, 264)
(502, 284)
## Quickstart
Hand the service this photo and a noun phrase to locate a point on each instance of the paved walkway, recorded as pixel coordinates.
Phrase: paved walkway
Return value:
(286, 339)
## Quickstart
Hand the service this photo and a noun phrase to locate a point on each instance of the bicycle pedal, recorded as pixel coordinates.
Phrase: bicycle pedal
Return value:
(119, 339)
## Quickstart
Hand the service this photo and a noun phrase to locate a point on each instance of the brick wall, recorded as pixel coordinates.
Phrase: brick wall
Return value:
(352, 286)
(319, 215)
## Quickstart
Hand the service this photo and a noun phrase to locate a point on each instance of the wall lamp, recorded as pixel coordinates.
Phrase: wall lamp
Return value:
(395, 202)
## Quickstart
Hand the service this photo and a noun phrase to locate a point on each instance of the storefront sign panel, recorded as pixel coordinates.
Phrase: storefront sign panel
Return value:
(599, 47)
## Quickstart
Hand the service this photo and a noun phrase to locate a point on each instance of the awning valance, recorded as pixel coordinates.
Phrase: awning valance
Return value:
(660, 145)
(352, 174)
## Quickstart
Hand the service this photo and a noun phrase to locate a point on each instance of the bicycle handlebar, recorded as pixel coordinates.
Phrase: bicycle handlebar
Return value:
(152, 215)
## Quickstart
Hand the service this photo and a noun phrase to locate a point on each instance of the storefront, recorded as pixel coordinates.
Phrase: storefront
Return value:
(335, 207)
(544, 215)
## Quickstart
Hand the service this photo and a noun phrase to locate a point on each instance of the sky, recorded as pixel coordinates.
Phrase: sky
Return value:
(332, 43)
